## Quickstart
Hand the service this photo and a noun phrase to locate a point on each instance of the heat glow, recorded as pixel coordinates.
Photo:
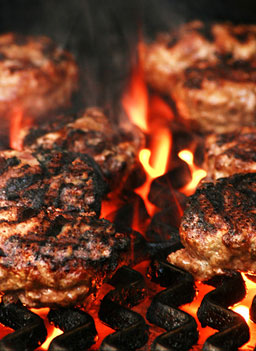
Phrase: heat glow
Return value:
(52, 332)
(18, 120)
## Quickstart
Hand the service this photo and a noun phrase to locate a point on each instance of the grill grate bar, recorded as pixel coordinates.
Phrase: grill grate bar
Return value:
(78, 326)
(132, 331)
(30, 331)
(181, 327)
(214, 312)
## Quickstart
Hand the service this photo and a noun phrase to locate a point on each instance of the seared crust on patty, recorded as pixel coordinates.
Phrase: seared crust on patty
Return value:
(92, 133)
(218, 228)
(65, 181)
(55, 259)
(210, 71)
(230, 153)
(54, 250)
(35, 75)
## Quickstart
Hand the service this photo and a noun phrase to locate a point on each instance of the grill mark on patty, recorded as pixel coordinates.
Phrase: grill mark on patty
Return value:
(194, 76)
(15, 185)
(68, 181)
(6, 163)
(232, 244)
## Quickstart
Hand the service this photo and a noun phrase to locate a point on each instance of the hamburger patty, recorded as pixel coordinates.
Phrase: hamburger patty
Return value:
(230, 153)
(218, 228)
(49, 178)
(55, 259)
(91, 133)
(35, 74)
(210, 71)
(54, 250)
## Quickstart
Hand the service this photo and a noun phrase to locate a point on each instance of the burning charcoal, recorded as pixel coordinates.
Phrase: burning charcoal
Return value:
(163, 195)
(176, 178)
(130, 287)
(164, 226)
(132, 330)
(161, 232)
(233, 331)
(29, 333)
(78, 326)
(253, 310)
(136, 178)
(133, 207)
(181, 327)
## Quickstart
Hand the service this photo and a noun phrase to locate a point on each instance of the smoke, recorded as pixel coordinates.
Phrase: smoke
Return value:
(102, 34)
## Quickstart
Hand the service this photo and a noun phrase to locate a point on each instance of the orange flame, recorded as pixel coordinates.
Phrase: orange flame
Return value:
(162, 151)
(51, 330)
(197, 173)
(17, 122)
(243, 307)
(15, 127)
(155, 170)
(139, 108)
(135, 100)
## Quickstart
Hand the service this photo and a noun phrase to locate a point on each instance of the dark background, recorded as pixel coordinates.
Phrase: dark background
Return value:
(102, 34)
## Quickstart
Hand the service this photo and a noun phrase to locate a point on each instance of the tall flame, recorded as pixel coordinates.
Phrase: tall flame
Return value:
(135, 99)
(137, 106)
(18, 120)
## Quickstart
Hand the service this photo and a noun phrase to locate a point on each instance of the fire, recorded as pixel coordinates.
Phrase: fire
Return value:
(135, 99)
(159, 166)
(17, 122)
(197, 173)
(155, 170)
(153, 117)
(51, 330)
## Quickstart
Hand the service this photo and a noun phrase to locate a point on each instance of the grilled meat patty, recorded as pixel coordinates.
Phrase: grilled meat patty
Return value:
(49, 178)
(53, 248)
(218, 228)
(91, 133)
(210, 71)
(55, 259)
(35, 74)
(230, 153)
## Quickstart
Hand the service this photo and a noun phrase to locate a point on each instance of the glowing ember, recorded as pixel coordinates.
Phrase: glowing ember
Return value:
(51, 330)
(243, 311)
(197, 173)
(242, 308)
